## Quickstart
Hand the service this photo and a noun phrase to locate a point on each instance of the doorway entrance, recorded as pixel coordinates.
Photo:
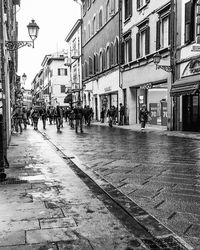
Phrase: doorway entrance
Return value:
(191, 112)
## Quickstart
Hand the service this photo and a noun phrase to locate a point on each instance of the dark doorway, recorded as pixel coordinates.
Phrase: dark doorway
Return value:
(191, 112)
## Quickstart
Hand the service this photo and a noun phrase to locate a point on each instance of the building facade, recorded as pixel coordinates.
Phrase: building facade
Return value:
(185, 90)
(73, 62)
(8, 69)
(145, 31)
(49, 85)
(100, 54)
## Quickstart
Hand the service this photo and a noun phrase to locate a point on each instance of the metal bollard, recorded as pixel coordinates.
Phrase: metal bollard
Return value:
(2, 163)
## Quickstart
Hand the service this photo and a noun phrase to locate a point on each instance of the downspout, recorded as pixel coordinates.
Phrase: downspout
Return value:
(172, 60)
(2, 99)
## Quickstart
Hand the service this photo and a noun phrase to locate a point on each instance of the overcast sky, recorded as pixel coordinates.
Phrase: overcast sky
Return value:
(55, 19)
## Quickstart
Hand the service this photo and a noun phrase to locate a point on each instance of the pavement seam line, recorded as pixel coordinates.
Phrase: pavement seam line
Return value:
(58, 149)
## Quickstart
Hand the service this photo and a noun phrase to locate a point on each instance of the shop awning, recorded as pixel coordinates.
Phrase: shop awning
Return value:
(68, 98)
(186, 86)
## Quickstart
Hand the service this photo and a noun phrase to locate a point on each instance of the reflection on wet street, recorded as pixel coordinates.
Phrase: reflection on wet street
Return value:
(160, 173)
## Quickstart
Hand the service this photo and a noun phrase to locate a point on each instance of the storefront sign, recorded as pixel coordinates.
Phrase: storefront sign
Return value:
(146, 86)
(107, 89)
(196, 48)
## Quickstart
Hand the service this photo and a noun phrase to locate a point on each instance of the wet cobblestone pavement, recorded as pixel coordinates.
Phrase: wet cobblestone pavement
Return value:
(45, 205)
(159, 173)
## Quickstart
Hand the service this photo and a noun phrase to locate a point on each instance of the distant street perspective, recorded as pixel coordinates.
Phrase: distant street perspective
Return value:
(100, 125)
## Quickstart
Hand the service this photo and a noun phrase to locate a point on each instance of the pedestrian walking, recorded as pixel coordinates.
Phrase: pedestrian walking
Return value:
(78, 115)
(17, 116)
(121, 114)
(24, 117)
(58, 117)
(102, 116)
(43, 117)
(35, 116)
(143, 116)
(111, 115)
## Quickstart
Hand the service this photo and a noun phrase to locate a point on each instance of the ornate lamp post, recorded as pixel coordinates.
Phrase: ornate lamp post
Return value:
(156, 60)
(33, 30)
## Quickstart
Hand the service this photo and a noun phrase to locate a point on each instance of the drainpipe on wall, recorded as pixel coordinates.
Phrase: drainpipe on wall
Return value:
(173, 15)
(2, 94)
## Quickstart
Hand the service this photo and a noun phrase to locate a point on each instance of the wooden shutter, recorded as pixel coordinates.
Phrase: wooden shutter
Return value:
(130, 50)
(147, 40)
(188, 22)
(138, 45)
(158, 35)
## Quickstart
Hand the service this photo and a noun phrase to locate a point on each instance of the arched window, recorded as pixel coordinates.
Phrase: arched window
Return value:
(111, 54)
(89, 31)
(90, 66)
(107, 58)
(101, 62)
(100, 18)
(94, 25)
(116, 51)
(84, 35)
(86, 69)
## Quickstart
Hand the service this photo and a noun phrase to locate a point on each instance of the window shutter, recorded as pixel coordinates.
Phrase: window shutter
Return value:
(122, 53)
(103, 60)
(188, 22)
(158, 35)
(147, 40)
(138, 45)
(130, 50)
(138, 4)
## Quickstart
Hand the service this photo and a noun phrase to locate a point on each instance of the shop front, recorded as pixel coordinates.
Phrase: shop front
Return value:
(154, 95)
(186, 99)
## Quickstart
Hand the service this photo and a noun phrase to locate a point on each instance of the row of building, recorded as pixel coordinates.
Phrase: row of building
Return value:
(130, 52)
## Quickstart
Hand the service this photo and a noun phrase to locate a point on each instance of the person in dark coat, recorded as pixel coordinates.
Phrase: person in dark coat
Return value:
(121, 114)
(35, 116)
(78, 116)
(44, 117)
(143, 116)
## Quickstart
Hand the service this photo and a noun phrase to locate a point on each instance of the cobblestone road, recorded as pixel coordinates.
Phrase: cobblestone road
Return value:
(158, 172)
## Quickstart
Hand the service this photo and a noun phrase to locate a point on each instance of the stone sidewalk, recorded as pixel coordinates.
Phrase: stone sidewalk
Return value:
(45, 205)
(158, 129)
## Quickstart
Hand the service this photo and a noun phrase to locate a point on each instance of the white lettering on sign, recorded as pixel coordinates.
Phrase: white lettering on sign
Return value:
(107, 89)
(196, 48)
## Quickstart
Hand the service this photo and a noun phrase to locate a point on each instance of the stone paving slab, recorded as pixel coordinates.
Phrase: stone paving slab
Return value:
(12, 238)
(49, 235)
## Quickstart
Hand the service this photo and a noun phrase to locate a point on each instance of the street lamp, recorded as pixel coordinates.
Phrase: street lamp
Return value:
(156, 60)
(33, 30)
(24, 77)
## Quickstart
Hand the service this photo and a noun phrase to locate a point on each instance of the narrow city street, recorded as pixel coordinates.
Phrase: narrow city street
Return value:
(158, 173)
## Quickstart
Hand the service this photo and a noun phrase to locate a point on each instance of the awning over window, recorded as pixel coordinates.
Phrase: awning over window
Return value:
(68, 98)
(186, 86)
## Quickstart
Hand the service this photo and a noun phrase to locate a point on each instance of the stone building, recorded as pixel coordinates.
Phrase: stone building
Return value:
(100, 54)
(8, 69)
(185, 90)
(145, 32)
(50, 83)
(73, 63)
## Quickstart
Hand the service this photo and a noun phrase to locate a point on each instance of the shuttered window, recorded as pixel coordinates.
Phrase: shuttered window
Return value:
(190, 25)
(127, 9)
(127, 48)
(143, 42)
